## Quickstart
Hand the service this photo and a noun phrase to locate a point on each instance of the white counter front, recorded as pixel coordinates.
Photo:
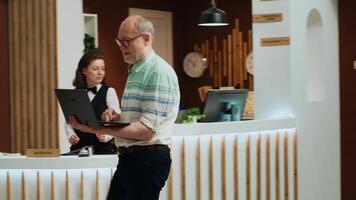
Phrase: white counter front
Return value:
(247, 159)
(247, 126)
(63, 162)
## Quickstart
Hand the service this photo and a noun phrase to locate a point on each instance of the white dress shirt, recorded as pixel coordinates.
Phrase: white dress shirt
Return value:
(112, 102)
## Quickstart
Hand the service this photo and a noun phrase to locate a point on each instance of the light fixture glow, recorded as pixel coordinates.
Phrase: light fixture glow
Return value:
(213, 16)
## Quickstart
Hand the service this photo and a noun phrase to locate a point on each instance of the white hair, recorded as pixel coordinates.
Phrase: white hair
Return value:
(143, 25)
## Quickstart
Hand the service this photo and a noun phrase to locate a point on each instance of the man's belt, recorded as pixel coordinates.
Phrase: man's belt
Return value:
(140, 148)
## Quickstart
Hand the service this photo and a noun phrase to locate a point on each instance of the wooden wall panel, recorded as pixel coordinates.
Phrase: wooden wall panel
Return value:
(33, 68)
(5, 142)
(226, 63)
(347, 51)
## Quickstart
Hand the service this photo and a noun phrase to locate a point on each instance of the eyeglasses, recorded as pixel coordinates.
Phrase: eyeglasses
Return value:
(126, 42)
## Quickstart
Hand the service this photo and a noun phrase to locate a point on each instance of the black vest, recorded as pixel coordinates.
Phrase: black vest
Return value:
(99, 104)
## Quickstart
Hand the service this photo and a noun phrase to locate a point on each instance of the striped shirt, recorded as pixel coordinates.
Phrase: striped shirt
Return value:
(151, 96)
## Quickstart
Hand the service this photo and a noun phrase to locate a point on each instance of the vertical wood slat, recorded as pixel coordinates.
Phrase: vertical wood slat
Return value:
(295, 165)
(81, 185)
(249, 41)
(215, 60)
(67, 186)
(258, 168)
(211, 168)
(23, 124)
(285, 158)
(230, 60)
(234, 57)
(245, 74)
(224, 54)
(197, 169)
(53, 191)
(249, 45)
(223, 169)
(23, 186)
(55, 47)
(8, 186)
(250, 82)
(220, 68)
(216, 70)
(240, 61)
(42, 76)
(29, 81)
(38, 186)
(183, 186)
(237, 46)
(248, 168)
(97, 183)
(207, 53)
(35, 72)
(49, 78)
(211, 63)
(277, 161)
(268, 168)
(236, 168)
(196, 49)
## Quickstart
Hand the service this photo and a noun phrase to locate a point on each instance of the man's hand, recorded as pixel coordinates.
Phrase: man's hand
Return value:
(110, 115)
(74, 139)
(84, 128)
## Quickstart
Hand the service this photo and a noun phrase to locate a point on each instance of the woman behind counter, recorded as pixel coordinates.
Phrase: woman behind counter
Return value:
(90, 75)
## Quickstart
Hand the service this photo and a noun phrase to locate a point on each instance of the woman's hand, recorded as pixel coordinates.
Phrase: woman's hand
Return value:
(103, 137)
(110, 115)
(84, 128)
(74, 139)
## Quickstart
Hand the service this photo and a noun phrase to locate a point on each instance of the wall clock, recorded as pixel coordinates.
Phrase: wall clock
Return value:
(249, 63)
(194, 64)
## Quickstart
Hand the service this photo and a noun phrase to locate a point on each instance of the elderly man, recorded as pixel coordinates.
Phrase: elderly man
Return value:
(150, 102)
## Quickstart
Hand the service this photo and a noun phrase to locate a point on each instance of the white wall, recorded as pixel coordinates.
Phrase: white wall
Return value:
(272, 72)
(70, 36)
(315, 96)
(303, 80)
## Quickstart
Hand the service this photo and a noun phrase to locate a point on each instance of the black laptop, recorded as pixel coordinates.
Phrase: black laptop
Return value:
(75, 102)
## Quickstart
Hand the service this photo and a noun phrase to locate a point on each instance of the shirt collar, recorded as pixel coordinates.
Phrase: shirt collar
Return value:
(98, 86)
(138, 66)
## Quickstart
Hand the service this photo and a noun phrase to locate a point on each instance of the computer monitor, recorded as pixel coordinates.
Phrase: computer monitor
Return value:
(224, 105)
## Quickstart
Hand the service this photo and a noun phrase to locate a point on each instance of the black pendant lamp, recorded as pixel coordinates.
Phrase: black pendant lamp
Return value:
(213, 16)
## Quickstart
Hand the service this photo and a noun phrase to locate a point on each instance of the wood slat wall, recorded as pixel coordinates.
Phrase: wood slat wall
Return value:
(33, 69)
(226, 58)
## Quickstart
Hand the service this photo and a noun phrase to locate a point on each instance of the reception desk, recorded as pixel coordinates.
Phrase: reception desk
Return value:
(248, 159)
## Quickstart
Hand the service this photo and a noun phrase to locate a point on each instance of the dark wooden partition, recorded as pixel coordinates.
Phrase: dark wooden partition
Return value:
(5, 137)
(347, 34)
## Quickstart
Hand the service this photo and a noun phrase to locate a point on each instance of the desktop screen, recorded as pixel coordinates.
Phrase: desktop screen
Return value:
(224, 105)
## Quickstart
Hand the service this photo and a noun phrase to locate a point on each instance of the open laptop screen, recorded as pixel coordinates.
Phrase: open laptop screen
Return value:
(75, 102)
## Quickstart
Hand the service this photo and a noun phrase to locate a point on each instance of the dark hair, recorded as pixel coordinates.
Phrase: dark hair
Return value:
(80, 79)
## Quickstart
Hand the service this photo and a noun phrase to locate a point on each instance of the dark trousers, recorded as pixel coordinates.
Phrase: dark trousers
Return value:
(140, 175)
